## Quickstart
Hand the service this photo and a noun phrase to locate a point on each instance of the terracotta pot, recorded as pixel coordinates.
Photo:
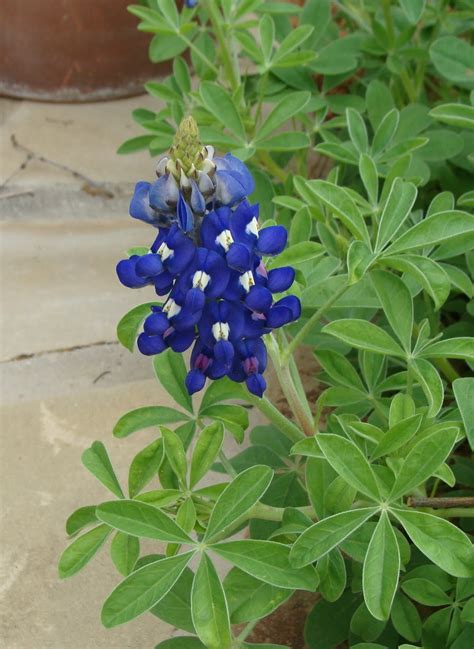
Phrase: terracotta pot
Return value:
(72, 50)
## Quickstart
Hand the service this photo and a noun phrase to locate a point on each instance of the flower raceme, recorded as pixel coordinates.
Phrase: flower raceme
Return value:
(208, 260)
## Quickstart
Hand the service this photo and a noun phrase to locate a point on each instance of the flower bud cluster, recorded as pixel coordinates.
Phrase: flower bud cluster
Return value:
(208, 261)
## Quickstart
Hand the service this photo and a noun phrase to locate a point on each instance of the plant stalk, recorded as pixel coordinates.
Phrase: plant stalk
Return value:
(440, 503)
(272, 413)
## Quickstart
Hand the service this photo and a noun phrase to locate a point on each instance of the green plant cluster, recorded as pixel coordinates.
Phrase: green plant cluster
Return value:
(357, 120)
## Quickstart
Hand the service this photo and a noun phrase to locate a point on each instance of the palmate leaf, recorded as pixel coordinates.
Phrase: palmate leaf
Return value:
(219, 103)
(397, 209)
(206, 450)
(397, 304)
(364, 335)
(141, 590)
(97, 461)
(170, 370)
(146, 417)
(81, 550)
(286, 108)
(464, 393)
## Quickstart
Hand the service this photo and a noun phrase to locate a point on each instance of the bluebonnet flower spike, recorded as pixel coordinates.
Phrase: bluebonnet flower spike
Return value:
(207, 260)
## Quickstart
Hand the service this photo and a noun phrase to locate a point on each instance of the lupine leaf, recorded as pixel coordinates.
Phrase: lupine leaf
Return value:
(96, 460)
(141, 590)
(124, 550)
(267, 561)
(80, 518)
(357, 130)
(206, 450)
(364, 335)
(175, 453)
(451, 348)
(222, 107)
(144, 467)
(430, 381)
(348, 460)
(431, 275)
(397, 304)
(423, 460)
(399, 203)
(464, 393)
(209, 607)
(285, 109)
(81, 550)
(326, 534)
(141, 519)
(146, 417)
(171, 372)
(442, 542)
(461, 115)
(439, 228)
(381, 569)
(239, 496)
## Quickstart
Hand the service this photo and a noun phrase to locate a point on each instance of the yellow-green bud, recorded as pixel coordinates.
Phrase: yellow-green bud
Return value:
(186, 144)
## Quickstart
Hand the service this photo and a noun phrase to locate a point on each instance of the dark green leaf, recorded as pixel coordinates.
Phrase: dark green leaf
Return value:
(171, 372)
(96, 460)
(81, 551)
(125, 550)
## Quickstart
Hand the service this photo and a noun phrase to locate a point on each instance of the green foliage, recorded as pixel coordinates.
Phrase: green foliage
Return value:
(356, 120)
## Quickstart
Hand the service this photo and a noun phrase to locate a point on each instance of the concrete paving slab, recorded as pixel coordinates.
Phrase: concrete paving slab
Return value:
(84, 137)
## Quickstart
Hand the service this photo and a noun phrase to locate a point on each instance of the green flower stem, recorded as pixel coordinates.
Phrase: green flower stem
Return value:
(227, 59)
(269, 513)
(409, 379)
(306, 328)
(226, 464)
(272, 413)
(266, 159)
(247, 630)
(296, 400)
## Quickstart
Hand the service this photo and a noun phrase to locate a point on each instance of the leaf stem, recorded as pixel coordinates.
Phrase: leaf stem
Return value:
(313, 320)
(275, 169)
(226, 464)
(272, 413)
(216, 19)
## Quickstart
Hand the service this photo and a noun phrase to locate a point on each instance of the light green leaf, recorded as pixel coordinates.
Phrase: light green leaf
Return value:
(171, 372)
(339, 369)
(266, 28)
(140, 519)
(397, 209)
(326, 534)
(425, 591)
(461, 115)
(431, 384)
(442, 542)
(405, 618)
(286, 108)
(453, 58)
(397, 304)
(413, 9)
(141, 590)
(364, 335)
(299, 253)
(464, 393)
(439, 228)
(144, 467)
(81, 518)
(206, 450)
(133, 145)
(124, 550)
(423, 460)
(209, 607)
(128, 326)
(301, 227)
(96, 460)
(146, 417)
(238, 497)
(332, 575)
(348, 460)
(175, 607)
(341, 204)
(293, 40)
(357, 130)
(219, 103)
(381, 569)
(385, 131)
(431, 275)
(397, 436)
(175, 453)
(369, 176)
(181, 642)
(287, 141)
(451, 348)
(170, 12)
(359, 260)
(249, 598)
(267, 561)
(459, 279)
(81, 550)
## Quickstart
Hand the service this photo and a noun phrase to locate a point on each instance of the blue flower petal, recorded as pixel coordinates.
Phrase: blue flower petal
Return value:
(224, 353)
(149, 266)
(185, 215)
(140, 207)
(156, 324)
(238, 169)
(126, 271)
(195, 381)
(256, 384)
(164, 193)
(280, 279)
(259, 299)
(180, 341)
(151, 345)
(272, 240)
(229, 189)
(240, 257)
